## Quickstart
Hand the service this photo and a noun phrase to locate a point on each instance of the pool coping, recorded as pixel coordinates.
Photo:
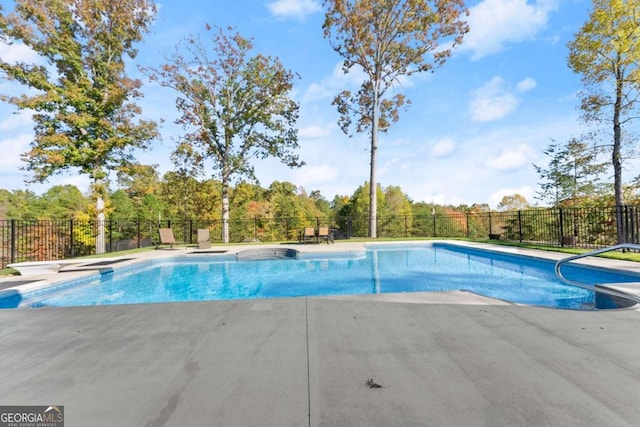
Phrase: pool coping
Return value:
(85, 271)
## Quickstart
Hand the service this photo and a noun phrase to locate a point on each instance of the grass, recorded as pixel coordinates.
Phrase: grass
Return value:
(8, 272)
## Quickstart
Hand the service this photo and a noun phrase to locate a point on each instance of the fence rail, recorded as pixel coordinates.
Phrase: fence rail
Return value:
(25, 240)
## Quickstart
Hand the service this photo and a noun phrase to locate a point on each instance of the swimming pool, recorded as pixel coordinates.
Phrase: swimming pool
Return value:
(379, 269)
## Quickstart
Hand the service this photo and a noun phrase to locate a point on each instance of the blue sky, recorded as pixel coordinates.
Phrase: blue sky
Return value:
(473, 130)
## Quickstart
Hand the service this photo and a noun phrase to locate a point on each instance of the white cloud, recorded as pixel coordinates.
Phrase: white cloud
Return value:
(18, 121)
(510, 159)
(443, 147)
(314, 131)
(18, 52)
(298, 9)
(496, 23)
(492, 101)
(82, 182)
(11, 148)
(317, 91)
(496, 99)
(526, 85)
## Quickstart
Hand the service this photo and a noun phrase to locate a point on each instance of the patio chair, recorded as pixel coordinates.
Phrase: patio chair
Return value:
(309, 234)
(166, 237)
(324, 234)
(204, 241)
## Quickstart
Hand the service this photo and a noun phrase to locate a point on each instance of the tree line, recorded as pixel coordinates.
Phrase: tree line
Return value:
(146, 196)
(573, 179)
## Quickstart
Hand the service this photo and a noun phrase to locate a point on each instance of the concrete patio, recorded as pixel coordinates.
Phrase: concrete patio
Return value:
(441, 359)
(306, 361)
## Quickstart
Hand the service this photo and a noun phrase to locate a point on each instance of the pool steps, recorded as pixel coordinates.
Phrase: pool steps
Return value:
(621, 295)
(266, 253)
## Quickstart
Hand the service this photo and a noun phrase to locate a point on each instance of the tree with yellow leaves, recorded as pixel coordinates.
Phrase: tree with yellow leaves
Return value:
(82, 99)
(605, 52)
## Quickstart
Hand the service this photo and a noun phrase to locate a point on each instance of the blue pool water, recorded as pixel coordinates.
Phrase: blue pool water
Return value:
(381, 269)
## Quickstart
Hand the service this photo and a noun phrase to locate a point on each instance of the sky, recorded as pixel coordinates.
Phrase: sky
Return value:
(472, 133)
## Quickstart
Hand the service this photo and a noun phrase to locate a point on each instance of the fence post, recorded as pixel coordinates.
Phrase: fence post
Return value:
(633, 236)
(110, 235)
(520, 225)
(286, 228)
(434, 225)
(627, 225)
(72, 247)
(467, 216)
(620, 231)
(13, 241)
(406, 227)
(138, 233)
(561, 218)
(255, 228)
(490, 228)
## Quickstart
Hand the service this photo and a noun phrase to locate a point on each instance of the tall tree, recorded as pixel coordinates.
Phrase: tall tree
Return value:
(84, 113)
(235, 106)
(605, 52)
(387, 40)
(573, 172)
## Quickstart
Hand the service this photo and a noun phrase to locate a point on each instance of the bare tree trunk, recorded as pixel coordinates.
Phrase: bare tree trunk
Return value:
(373, 199)
(225, 210)
(100, 218)
(616, 158)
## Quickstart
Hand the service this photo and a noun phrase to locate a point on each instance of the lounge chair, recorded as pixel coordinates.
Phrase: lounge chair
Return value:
(204, 241)
(324, 234)
(309, 233)
(166, 237)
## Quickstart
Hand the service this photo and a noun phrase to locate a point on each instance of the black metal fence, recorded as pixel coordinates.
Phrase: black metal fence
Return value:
(23, 240)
